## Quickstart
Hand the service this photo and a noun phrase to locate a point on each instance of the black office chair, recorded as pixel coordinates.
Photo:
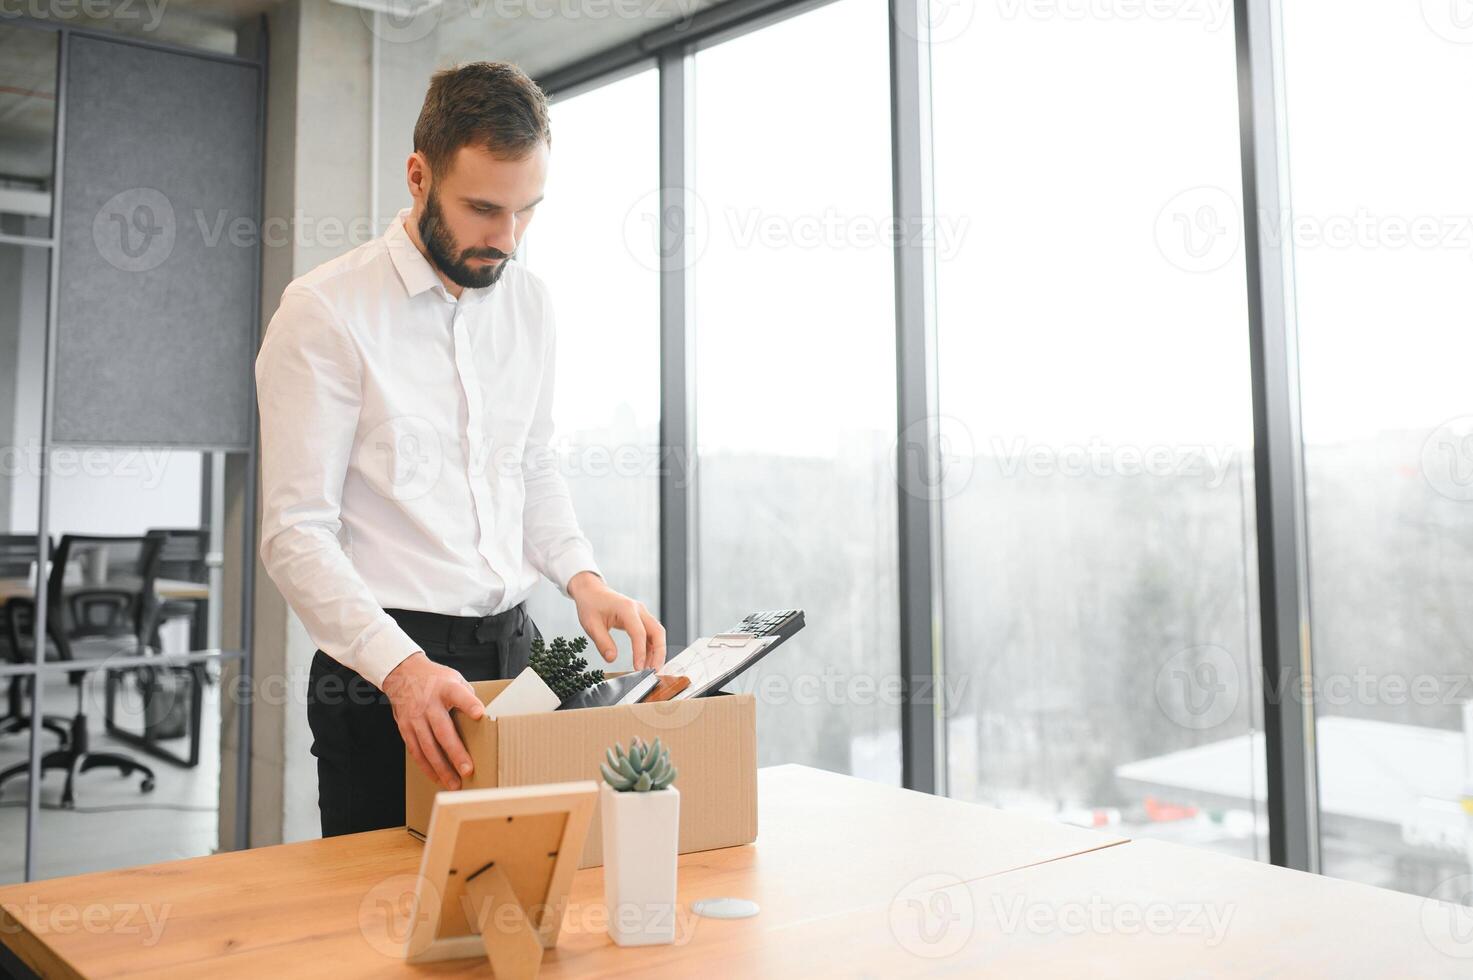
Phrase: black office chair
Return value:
(97, 620)
(18, 552)
(181, 555)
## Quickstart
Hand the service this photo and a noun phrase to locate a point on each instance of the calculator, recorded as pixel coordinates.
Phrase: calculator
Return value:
(714, 661)
(780, 623)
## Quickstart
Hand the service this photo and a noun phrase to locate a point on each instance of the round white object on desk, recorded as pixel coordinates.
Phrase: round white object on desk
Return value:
(725, 908)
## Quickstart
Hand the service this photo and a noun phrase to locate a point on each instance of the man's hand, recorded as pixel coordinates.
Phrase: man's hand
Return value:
(601, 609)
(422, 693)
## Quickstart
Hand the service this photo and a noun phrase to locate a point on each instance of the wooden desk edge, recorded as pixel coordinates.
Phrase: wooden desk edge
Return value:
(31, 949)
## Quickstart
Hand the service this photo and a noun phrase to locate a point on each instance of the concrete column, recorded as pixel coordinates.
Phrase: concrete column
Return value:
(317, 206)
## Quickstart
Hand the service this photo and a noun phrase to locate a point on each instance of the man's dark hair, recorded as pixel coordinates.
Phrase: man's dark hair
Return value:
(490, 104)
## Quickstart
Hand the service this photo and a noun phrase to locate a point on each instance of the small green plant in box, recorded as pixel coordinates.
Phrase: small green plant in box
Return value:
(642, 769)
(561, 666)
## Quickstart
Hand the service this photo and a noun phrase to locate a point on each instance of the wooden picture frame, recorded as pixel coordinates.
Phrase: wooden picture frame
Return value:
(495, 874)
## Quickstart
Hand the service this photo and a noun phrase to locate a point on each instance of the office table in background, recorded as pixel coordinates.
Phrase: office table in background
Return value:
(853, 878)
(166, 588)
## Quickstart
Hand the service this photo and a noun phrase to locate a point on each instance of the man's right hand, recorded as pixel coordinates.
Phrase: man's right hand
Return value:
(422, 693)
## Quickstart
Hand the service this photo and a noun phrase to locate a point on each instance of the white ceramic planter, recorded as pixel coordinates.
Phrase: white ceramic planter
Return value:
(641, 837)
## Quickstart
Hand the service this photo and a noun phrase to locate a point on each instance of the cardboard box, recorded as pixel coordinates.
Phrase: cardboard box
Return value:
(712, 742)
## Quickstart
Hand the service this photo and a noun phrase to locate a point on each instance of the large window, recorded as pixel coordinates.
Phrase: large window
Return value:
(1100, 644)
(1382, 241)
(1098, 552)
(795, 376)
(591, 243)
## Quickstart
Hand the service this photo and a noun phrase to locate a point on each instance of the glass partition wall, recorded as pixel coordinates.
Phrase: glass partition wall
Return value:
(126, 435)
(25, 272)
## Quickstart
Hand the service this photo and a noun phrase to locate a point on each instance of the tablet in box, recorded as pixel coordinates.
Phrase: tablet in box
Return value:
(712, 740)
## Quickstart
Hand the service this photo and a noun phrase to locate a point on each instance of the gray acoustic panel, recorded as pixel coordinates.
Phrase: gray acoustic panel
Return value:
(159, 248)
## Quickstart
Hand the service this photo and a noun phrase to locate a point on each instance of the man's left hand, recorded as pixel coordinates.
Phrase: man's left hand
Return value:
(601, 609)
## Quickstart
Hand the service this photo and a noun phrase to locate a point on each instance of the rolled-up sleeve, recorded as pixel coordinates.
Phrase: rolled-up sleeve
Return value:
(308, 383)
(552, 539)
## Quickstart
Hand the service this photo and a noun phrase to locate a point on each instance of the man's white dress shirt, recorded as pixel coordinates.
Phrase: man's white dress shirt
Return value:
(405, 449)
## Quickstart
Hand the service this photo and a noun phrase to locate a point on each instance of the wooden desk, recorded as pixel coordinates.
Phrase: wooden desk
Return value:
(166, 588)
(854, 879)
(827, 844)
(1149, 908)
(1141, 909)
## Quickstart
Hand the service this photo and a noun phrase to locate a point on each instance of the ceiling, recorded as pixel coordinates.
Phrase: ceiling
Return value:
(28, 63)
(27, 101)
(539, 35)
(527, 33)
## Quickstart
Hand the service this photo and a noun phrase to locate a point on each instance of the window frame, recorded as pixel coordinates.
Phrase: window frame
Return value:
(1291, 791)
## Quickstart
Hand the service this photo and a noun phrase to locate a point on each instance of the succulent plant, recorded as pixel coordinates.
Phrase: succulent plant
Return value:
(561, 667)
(645, 768)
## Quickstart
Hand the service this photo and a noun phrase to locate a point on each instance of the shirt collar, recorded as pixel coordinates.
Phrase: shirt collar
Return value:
(414, 269)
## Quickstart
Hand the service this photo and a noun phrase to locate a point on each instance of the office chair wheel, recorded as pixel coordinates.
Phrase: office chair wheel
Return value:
(147, 785)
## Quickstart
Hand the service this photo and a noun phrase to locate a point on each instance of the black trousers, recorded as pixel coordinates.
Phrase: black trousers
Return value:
(360, 754)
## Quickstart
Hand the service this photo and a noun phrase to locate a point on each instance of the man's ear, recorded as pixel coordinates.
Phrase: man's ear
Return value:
(417, 172)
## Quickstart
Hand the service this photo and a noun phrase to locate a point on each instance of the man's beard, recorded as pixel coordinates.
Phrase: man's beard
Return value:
(457, 268)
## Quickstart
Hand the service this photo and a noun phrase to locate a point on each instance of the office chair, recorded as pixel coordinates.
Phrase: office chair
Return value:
(182, 555)
(18, 552)
(99, 619)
